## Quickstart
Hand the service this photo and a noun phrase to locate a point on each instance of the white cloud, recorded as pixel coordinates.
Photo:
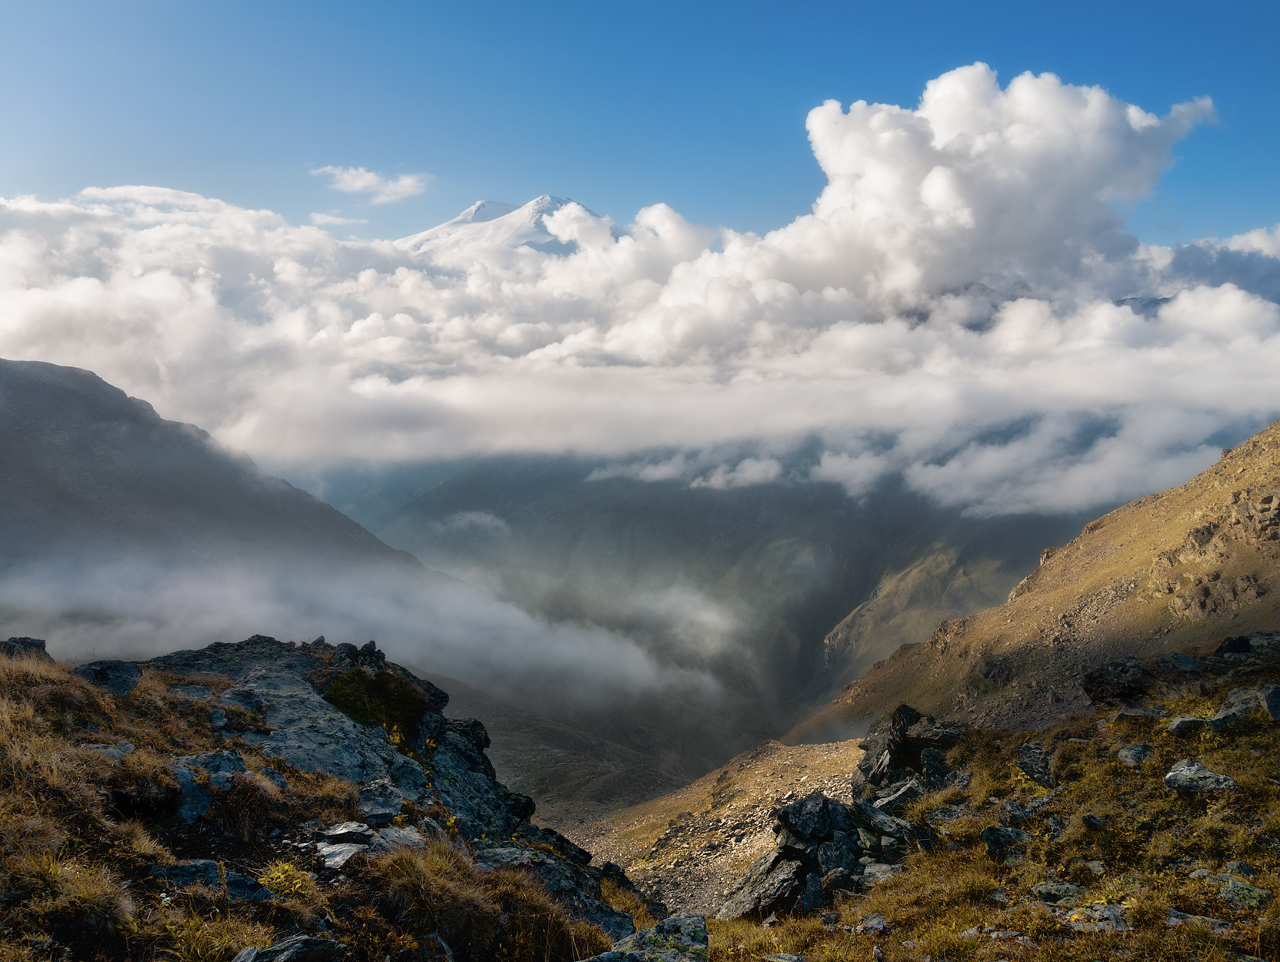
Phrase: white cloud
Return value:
(327, 220)
(963, 307)
(383, 190)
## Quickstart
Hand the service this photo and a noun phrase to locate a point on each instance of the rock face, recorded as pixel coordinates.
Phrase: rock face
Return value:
(823, 846)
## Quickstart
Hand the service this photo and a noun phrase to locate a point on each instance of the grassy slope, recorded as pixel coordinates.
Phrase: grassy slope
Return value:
(1108, 594)
(80, 832)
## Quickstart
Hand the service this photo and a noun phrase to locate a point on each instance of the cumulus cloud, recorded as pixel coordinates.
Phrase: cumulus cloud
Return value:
(382, 190)
(963, 307)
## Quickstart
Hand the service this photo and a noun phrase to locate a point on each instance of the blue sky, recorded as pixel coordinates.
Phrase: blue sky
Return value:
(701, 106)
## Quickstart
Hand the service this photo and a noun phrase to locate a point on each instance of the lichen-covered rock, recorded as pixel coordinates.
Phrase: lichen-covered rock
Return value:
(1190, 776)
(681, 938)
(1241, 895)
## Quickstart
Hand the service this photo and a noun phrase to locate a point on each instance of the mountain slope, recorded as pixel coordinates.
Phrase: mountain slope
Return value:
(85, 468)
(1178, 568)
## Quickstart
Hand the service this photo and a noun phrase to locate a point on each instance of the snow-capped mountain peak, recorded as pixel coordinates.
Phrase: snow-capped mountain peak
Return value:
(491, 223)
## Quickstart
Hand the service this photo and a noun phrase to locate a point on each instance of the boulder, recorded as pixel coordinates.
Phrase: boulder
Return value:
(1241, 704)
(1185, 726)
(343, 832)
(681, 938)
(1190, 776)
(1241, 895)
(877, 872)
(772, 884)
(1099, 918)
(1133, 755)
(25, 648)
(1034, 762)
(117, 677)
(1239, 645)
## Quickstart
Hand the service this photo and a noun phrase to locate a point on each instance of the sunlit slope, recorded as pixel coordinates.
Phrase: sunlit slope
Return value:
(1169, 570)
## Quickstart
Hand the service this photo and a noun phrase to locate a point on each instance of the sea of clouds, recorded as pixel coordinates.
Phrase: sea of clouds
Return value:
(964, 307)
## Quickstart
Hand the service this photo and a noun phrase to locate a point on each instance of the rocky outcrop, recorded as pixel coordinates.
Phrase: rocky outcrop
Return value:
(904, 746)
(24, 648)
(823, 846)
(117, 677)
(348, 712)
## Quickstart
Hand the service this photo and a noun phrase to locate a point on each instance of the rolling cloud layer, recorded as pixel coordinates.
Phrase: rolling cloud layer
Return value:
(963, 307)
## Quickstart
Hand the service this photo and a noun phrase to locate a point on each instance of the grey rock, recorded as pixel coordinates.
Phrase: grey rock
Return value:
(1241, 868)
(1010, 814)
(1243, 703)
(842, 851)
(901, 796)
(1034, 762)
(1190, 776)
(1003, 842)
(772, 884)
(681, 938)
(1186, 726)
(784, 957)
(811, 894)
(221, 768)
(336, 856)
(1189, 663)
(1242, 895)
(1238, 645)
(117, 677)
(194, 801)
(115, 753)
(191, 693)
(22, 647)
(1216, 926)
(274, 777)
(1099, 918)
(204, 872)
(1057, 892)
(298, 948)
(1134, 755)
(346, 832)
(872, 925)
(380, 802)
(877, 872)
(576, 887)
(393, 837)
